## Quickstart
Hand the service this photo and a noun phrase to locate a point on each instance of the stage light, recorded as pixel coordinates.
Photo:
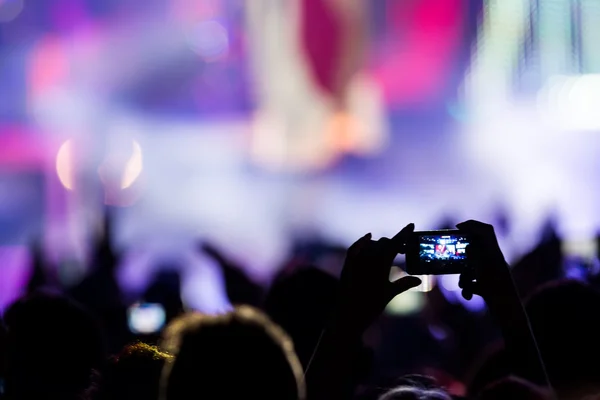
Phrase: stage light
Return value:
(498, 48)
(590, 32)
(134, 167)
(65, 165)
(571, 102)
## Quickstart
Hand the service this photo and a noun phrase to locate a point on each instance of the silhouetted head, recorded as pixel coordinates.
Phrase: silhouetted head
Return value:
(53, 347)
(566, 323)
(165, 289)
(301, 303)
(491, 366)
(134, 373)
(513, 388)
(241, 354)
(416, 387)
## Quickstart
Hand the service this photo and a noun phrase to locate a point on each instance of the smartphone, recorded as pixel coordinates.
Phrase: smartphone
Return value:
(437, 252)
(146, 318)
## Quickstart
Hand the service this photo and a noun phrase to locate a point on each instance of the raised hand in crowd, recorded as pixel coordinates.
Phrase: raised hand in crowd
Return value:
(240, 288)
(488, 276)
(38, 278)
(100, 291)
(365, 290)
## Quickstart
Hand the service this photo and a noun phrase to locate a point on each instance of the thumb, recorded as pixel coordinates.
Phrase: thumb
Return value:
(402, 285)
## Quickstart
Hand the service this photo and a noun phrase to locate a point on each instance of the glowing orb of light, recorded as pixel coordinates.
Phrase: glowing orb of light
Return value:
(134, 167)
(65, 165)
(210, 40)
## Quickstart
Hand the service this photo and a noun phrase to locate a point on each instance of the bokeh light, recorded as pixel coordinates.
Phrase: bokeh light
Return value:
(65, 165)
(10, 9)
(134, 167)
(210, 40)
(449, 282)
(414, 299)
(571, 102)
(406, 304)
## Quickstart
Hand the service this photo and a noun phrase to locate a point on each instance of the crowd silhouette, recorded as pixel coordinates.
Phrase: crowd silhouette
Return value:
(311, 334)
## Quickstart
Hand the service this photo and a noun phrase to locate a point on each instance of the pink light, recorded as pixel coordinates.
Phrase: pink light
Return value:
(417, 67)
(14, 273)
(20, 149)
(195, 11)
(321, 40)
(48, 66)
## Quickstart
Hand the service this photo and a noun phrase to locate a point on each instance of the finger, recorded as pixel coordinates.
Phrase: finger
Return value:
(402, 285)
(476, 288)
(467, 294)
(475, 227)
(400, 239)
(359, 244)
(465, 280)
(470, 287)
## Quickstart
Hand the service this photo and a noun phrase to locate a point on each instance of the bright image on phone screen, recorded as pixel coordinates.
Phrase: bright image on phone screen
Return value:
(443, 251)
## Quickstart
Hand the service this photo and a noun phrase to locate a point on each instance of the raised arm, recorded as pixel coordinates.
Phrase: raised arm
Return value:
(489, 277)
(365, 290)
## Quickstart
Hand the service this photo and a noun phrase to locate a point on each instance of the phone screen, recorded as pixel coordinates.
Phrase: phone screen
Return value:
(146, 318)
(437, 253)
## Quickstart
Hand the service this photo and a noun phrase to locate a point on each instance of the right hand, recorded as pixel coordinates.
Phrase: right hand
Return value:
(487, 275)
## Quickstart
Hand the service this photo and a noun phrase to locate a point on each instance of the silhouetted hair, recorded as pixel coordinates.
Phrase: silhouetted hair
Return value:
(565, 321)
(514, 388)
(134, 373)
(492, 366)
(416, 387)
(301, 303)
(241, 354)
(53, 347)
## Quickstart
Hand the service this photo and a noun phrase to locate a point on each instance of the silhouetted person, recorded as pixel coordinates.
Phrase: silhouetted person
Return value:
(302, 303)
(100, 292)
(240, 288)
(38, 278)
(53, 347)
(416, 387)
(165, 289)
(566, 323)
(239, 355)
(493, 365)
(133, 374)
(513, 388)
(543, 264)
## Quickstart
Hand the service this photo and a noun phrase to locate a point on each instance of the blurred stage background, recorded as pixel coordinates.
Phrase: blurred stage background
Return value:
(257, 123)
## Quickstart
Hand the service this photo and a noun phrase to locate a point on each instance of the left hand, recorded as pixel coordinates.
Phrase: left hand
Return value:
(365, 287)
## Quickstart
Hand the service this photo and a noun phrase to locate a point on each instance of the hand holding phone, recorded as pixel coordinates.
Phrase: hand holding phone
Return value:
(487, 274)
